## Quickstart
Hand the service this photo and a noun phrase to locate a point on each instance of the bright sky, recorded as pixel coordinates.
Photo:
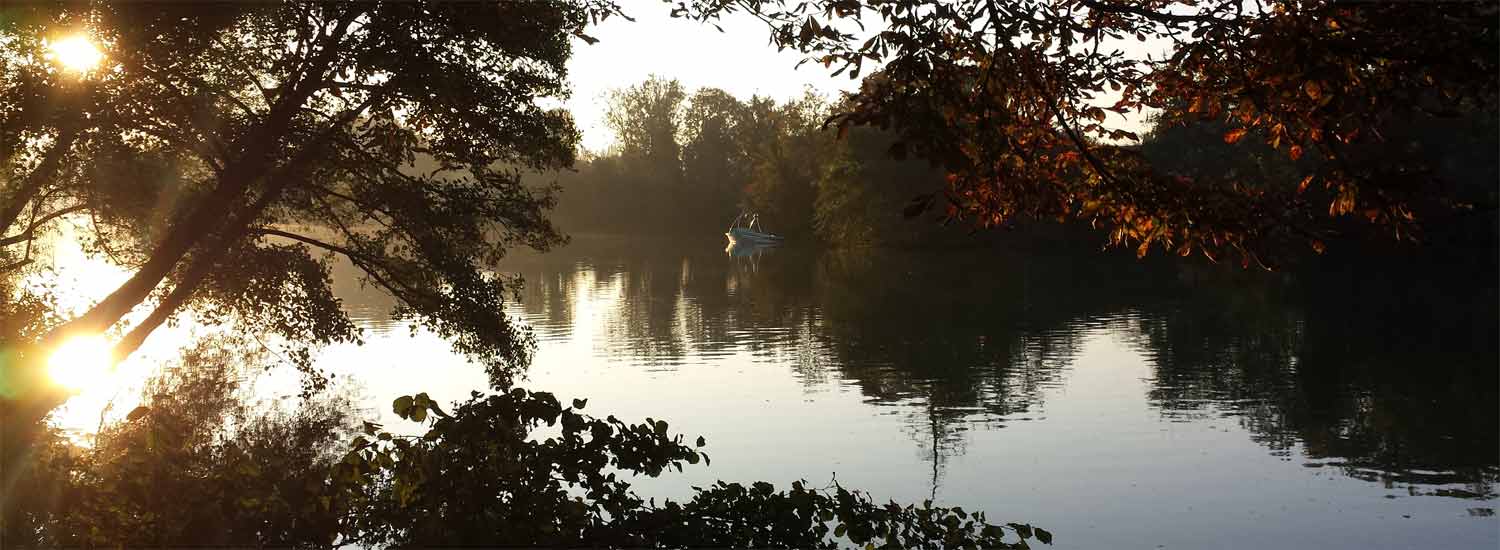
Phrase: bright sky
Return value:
(738, 60)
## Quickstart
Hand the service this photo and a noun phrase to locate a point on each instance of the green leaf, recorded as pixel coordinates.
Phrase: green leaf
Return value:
(661, 427)
(1043, 535)
(579, 403)
(701, 442)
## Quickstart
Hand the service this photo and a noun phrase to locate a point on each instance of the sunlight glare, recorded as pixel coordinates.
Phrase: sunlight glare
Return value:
(76, 53)
(81, 361)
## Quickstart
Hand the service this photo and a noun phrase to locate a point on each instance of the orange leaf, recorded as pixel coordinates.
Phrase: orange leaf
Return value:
(1303, 186)
(1295, 152)
(1312, 89)
(1234, 135)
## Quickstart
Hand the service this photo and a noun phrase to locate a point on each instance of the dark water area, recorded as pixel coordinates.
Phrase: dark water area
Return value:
(1116, 402)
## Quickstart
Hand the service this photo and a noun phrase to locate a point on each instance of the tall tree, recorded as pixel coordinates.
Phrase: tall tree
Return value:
(254, 136)
(647, 121)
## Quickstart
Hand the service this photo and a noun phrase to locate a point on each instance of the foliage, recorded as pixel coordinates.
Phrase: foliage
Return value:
(481, 476)
(196, 464)
(199, 464)
(215, 138)
(1014, 99)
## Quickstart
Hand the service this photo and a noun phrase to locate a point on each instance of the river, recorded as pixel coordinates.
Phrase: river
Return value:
(1115, 402)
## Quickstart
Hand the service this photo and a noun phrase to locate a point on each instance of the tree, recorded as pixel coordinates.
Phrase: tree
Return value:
(1014, 99)
(714, 160)
(252, 137)
(647, 121)
(787, 154)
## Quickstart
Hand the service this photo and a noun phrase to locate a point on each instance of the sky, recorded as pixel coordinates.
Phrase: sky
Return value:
(739, 60)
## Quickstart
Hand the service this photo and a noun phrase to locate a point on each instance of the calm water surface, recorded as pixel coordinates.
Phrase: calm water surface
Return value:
(1117, 403)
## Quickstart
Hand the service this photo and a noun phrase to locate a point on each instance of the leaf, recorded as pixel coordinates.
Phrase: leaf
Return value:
(579, 403)
(1305, 181)
(661, 427)
(701, 442)
(1312, 89)
(1295, 152)
(1234, 135)
(1043, 535)
(402, 406)
(137, 413)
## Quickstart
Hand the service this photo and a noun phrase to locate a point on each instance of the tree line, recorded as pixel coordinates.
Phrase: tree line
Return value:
(688, 162)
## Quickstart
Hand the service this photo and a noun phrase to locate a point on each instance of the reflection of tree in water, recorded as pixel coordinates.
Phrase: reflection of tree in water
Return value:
(962, 333)
(1389, 376)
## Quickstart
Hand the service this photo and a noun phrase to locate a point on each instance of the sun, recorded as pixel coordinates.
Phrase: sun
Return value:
(81, 361)
(76, 53)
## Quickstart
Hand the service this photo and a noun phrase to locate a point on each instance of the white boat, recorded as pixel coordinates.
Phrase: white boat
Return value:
(746, 229)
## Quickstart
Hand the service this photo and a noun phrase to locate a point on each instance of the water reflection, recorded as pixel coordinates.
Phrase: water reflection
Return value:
(1054, 385)
(1387, 378)
(1390, 377)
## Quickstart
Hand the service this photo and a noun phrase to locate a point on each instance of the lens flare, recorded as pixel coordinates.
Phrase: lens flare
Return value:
(76, 53)
(80, 362)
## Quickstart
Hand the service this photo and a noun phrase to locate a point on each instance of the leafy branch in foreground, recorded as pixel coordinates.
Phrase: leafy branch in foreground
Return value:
(1023, 102)
(479, 477)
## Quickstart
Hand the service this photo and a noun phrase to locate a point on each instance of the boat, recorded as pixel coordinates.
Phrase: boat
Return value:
(746, 230)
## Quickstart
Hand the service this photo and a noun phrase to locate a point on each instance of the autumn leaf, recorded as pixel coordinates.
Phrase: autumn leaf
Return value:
(1303, 186)
(1295, 152)
(1313, 90)
(1234, 135)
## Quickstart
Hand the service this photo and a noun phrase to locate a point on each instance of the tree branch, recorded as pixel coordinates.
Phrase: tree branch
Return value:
(30, 230)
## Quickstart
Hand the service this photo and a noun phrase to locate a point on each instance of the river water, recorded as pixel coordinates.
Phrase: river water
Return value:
(1117, 403)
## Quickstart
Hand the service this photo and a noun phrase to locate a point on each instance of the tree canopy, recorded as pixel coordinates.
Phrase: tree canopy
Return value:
(221, 152)
(1014, 99)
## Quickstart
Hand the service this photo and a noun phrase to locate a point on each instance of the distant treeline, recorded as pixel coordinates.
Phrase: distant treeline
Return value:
(689, 162)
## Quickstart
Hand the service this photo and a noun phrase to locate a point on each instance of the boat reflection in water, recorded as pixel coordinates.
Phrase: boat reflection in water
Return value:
(747, 254)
